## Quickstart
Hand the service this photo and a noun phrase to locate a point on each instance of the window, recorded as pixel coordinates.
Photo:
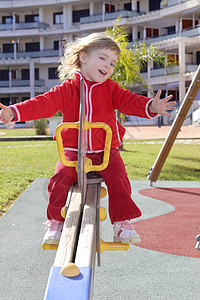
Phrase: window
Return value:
(36, 74)
(4, 75)
(154, 5)
(14, 74)
(198, 57)
(26, 74)
(58, 18)
(157, 66)
(171, 30)
(129, 37)
(138, 6)
(128, 6)
(8, 48)
(31, 18)
(5, 101)
(7, 19)
(53, 73)
(77, 14)
(32, 47)
(173, 58)
(56, 45)
(175, 94)
(188, 23)
(109, 8)
(151, 32)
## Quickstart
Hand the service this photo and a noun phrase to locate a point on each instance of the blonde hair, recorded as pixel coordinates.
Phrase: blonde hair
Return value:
(70, 61)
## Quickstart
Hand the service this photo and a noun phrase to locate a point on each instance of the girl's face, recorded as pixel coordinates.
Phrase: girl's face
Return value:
(98, 65)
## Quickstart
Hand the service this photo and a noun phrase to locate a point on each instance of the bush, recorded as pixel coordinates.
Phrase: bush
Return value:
(40, 126)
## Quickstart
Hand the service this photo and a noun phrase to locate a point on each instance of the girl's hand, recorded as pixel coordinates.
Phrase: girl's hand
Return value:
(161, 106)
(6, 114)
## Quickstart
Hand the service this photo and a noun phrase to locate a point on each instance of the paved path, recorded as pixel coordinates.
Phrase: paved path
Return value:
(135, 274)
(154, 132)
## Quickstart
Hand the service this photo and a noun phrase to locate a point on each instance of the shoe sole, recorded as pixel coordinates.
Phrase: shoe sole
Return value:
(51, 242)
(133, 240)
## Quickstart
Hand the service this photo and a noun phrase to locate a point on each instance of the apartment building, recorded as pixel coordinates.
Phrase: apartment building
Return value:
(32, 34)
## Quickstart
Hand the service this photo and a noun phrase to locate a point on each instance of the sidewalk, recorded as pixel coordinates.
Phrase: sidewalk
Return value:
(154, 132)
(137, 274)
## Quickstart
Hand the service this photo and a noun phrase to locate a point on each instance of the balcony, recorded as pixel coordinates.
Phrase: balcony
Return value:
(190, 32)
(191, 68)
(110, 16)
(22, 26)
(34, 54)
(170, 71)
(168, 3)
(21, 83)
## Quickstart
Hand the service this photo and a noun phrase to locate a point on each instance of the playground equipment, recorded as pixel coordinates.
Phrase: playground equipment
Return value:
(175, 128)
(169, 141)
(72, 274)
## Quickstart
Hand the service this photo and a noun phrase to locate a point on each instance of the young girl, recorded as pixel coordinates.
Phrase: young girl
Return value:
(92, 57)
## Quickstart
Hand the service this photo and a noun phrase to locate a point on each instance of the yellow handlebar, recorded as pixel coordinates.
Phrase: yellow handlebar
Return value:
(88, 163)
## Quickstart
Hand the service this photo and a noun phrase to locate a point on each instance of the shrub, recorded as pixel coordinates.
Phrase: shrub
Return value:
(40, 126)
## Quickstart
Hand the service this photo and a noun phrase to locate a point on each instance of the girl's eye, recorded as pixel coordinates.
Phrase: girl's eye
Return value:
(102, 58)
(112, 65)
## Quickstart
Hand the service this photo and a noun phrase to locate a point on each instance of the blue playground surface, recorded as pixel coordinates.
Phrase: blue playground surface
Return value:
(138, 273)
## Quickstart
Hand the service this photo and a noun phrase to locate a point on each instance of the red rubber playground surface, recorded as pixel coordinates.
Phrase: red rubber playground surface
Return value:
(174, 232)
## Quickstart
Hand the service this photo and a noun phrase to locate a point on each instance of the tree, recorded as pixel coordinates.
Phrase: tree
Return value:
(133, 60)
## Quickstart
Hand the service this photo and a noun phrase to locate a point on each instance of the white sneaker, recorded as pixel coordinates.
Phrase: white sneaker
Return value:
(54, 230)
(124, 232)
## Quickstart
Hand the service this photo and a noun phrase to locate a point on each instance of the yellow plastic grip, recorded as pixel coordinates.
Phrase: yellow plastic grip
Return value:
(88, 163)
(61, 152)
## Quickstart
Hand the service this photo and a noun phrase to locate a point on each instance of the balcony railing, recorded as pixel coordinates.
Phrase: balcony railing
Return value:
(20, 83)
(190, 32)
(21, 26)
(170, 71)
(191, 68)
(34, 54)
(168, 3)
(110, 16)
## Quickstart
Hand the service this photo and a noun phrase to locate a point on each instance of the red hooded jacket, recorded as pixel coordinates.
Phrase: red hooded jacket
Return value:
(101, 98)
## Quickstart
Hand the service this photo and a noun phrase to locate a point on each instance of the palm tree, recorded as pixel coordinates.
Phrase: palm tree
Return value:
(133, 60)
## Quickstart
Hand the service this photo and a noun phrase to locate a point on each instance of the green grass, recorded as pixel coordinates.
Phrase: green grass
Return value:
(18, 132)
(183, 161)
(22, 162)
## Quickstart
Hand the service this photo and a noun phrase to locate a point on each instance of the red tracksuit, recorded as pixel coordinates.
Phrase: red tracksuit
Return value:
(102, 99)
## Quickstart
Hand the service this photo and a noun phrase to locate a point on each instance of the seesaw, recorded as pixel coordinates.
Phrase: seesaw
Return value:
(72, 274)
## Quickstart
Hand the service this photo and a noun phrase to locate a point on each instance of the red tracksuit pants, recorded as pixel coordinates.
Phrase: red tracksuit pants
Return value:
(121, 206)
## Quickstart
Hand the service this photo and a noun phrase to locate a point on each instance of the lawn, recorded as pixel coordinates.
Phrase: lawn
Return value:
(18, 132)
(22, 162)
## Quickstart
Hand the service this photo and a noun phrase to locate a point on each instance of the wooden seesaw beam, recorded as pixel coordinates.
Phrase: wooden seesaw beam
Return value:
(72, 273)
(175, 128)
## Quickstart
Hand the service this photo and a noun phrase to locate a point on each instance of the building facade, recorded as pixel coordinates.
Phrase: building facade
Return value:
(32, 34)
